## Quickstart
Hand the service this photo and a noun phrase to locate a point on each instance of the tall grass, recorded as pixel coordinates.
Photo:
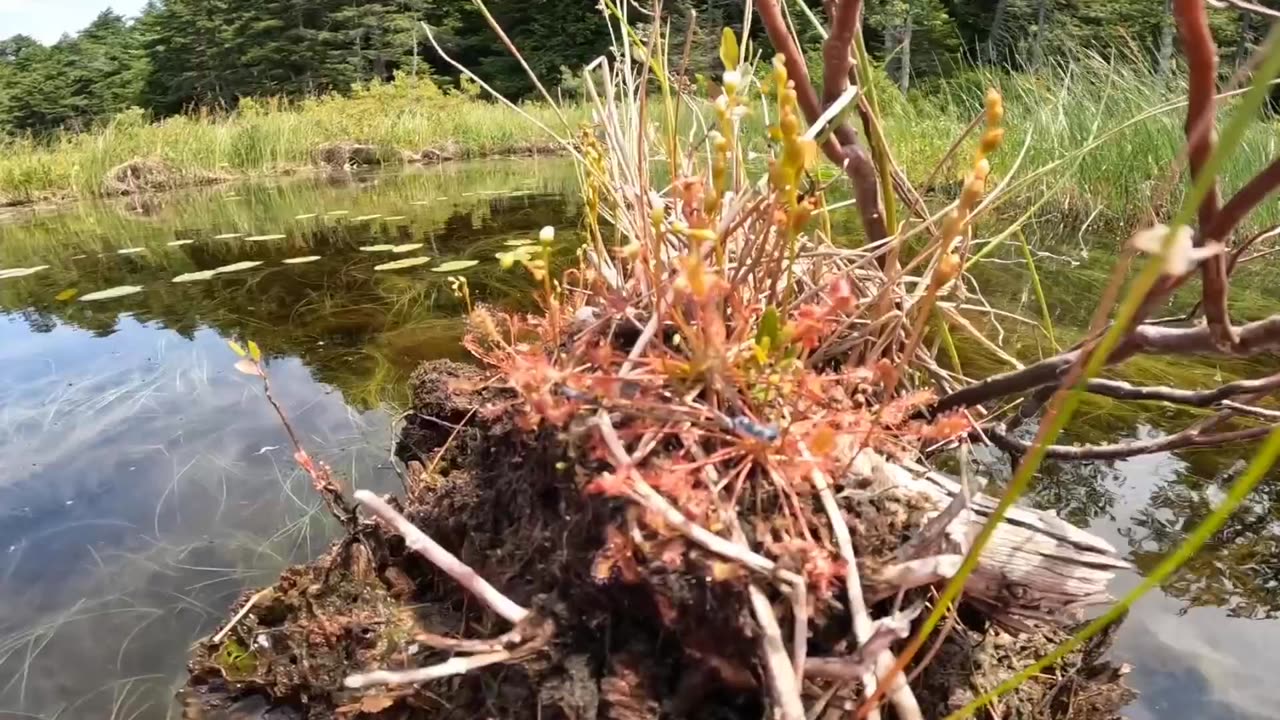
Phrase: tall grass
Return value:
(265, 137)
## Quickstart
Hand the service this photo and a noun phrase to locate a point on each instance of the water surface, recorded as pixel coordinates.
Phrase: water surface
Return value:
(146, 483)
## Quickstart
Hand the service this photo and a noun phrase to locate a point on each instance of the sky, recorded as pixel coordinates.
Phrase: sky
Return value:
(47, 20)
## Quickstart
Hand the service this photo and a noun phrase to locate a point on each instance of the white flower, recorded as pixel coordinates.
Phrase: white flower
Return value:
(732, 79)
(1182, 256)
(547, 234)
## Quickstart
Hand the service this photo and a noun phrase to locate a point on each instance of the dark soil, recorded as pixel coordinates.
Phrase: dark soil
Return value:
(638, 636)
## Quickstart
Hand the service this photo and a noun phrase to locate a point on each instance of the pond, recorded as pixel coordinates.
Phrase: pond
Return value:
(146, 483)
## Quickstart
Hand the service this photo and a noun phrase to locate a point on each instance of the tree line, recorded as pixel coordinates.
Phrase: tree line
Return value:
(179, 55)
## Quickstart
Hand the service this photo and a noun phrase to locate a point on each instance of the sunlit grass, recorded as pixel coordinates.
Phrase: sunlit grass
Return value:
(268, 136)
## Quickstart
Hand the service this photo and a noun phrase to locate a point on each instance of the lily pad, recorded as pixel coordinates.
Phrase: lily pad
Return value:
(256, 238)
(365, 218)
(455, 266)
(21, 272)
(304, 216)
(176, 243)
(393, 218)
(377, 248)
(115, 292)
(407, 247)
(234, 267)
(130, 251)
(518, 243)
(228, 236)
(194, 276)
(399, 264)
(421, 202)
(300, 260)
(338, 212)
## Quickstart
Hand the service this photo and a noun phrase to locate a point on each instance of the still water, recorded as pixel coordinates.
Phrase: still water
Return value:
(145, 483)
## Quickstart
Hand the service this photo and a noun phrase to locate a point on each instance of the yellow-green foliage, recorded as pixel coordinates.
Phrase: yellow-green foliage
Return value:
(267, 136)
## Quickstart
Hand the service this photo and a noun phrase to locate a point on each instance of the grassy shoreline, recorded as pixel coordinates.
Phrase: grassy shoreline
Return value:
(1087, 143)
(404, 121)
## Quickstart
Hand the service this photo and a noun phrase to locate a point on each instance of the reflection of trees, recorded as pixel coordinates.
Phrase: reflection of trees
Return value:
(358, 330)
(1079, 492)
(1239, 569)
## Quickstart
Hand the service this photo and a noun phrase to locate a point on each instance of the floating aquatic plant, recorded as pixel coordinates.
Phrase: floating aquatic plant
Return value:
(257, 238)
(455, 266)
(109, 293)
(300, 260)
(401, 264)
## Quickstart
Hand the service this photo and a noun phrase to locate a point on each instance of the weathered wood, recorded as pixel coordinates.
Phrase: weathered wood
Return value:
(1036, 566)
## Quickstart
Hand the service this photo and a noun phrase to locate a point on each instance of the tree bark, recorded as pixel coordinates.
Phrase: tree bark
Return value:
(997, 26)
(904, 51)
(1037, 50)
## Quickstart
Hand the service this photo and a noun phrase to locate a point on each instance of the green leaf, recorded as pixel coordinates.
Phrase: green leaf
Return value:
(237, 349)
(769, 334)
(65, 294)
(255, 352)
(455, 265)
(729, 52)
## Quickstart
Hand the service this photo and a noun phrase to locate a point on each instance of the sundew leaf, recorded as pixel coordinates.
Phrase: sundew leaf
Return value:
(255, 352)
(234, 267)
(300, 260)
(257, 238)
(455, 266)
(237, 348)
(21, 272)
(193, 276)
(228, 236)
(401, 264)
(407, 247)
(377, 248)
(109, 293)
(176, 243)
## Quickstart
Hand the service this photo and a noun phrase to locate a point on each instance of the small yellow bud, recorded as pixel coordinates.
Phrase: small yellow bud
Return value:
(991, 140)
(994, 107)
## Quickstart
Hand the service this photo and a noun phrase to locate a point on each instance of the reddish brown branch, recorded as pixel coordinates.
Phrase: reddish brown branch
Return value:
(837, 59)
(1243, 202)
(1202, 80)
(841, 147)
(1254, 338)
(1192, 437)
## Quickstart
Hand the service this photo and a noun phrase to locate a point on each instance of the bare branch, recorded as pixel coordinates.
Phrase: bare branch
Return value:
(782, 674)
(1202, 64)
(1192, 437)
(421, 543)
(1255, 337)
(448, 668)
(1121, 390)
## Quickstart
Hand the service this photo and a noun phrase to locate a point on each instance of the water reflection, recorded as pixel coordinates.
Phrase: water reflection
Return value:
(146, 483)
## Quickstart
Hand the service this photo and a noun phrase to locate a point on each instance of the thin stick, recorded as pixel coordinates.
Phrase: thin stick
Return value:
(422, 544)
(448, 668)
(782, 675)
(240, 614)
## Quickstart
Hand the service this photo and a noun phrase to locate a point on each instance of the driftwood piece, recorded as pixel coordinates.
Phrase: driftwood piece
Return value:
(1036, 565)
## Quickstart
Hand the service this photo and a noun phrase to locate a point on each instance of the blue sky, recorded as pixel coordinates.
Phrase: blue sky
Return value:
(47, 20)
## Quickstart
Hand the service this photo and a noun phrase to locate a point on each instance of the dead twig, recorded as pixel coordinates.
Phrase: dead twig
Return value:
(421, 543)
